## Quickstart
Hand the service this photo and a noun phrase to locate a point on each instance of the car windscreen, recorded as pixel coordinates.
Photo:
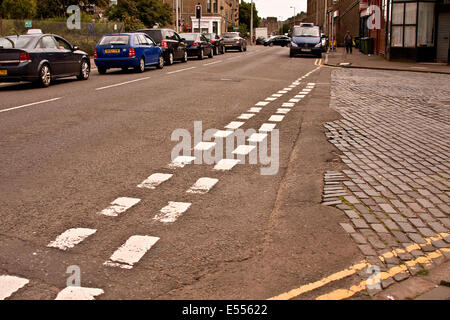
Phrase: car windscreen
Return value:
(209, 36)
(19, 42)
(230, 35)
(156, 35)
(115, 40)
(190, 36)
(306, 32)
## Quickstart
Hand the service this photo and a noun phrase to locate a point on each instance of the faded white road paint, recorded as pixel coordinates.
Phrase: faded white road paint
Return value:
(79, 293)
(243, 150)
(181, 161)
(254, 109)
(223, 133)
(246, 116)
(262, 104)
(267, 127)
(288, 104)
(30, 104)
(283, 110)
(172, 211)
(71, 237)
(204, 146)
(120, 205)
(155, 180)
(226, 164)
(257, 137)
(276, 118)
(122, 83)
(203, 185)
(234, 125)
(271, 99)
(131, 252)
(10, 284)
(294, 100)
(181, 70)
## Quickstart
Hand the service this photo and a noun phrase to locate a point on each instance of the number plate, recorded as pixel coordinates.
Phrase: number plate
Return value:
(228, 45)
(112, 50)
(3, 72)
(306, 50)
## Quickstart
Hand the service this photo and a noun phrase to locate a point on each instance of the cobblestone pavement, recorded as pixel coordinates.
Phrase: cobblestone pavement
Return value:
(394, 138)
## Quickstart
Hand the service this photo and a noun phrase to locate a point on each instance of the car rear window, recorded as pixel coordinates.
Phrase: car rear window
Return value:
(115, 40)
(190, 36)
(230, 35)
(306, 32)
(16, 42)
(156, 35)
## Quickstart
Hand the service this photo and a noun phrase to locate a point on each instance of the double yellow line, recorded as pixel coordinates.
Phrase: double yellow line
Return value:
(318, 62)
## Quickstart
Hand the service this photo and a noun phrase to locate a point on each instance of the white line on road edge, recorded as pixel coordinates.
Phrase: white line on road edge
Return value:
(78, 293)
(30, 104)
(155, 180)
(211, 63)
(203, 185)
(181, 70)
(181, 161)
(172, 211)
(120, 205)
(122, 83)
(131, 252)
(226, 164)
(10, 284)
(70, 238)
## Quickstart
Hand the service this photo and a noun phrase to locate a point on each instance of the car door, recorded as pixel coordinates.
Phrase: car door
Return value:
(172, 43)
(206, 44)
(181, 47)
(70, 63)
(52, 54)
(153, 50)
(141, 48)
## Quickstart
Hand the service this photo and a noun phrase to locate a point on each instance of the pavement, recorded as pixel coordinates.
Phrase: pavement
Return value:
(89, 186)
(340, 58)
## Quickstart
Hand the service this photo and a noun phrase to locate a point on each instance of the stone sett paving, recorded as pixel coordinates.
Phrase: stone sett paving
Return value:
(395, 140)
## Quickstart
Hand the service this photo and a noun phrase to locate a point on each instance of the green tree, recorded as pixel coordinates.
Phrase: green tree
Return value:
(57, 8)
(19, 9)
(245, 14)
(285, 28)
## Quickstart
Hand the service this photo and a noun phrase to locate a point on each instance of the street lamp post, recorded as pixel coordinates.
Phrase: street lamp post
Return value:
(294, 14)
(251, 23)
(176, 15)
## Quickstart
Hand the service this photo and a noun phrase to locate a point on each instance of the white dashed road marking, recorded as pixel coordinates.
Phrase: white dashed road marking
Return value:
(243, 150)
(271, 99)
(78, 293)
(131, 252)
(204, 146)
(262, 104)
(155, 180)
(181, 161)
(226, 164)
(294, 100)
(71, 237)
(122, 83)
(181, 70)
(234, 125)
(267, 127)
(223, 133)
(254, 109)
(120, 205)
(245, 116)
(203, 185)
(288, 104)
(276, 118)
(172, 211)
(30, 104)
(257, 137)
(10, 284)
(283, 110)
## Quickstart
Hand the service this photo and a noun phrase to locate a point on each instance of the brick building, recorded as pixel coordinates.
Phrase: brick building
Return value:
(217, 15)
(272, 25)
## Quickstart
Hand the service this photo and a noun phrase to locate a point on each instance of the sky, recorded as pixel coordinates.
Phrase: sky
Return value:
(279, 8)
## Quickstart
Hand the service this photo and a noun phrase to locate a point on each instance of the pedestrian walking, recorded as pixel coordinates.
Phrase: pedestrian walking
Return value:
(91, 28)
(348, 41)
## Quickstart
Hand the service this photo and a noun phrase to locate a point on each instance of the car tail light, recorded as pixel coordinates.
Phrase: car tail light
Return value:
(95, 54)
(164, 44)
(24, 57)
(195, 44)
(131, 53)
(237, 39)
(213, 41)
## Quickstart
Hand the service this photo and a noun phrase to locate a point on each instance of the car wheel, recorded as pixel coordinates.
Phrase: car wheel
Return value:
(185, 57)
(85, 70)
(240, 49)
(161, 62)
(271, 44)
(201, 55)
(211, 54)
(45, 76)
(291, 54)
(170, 59)
(223, 50)
(245, 48)
(101, 70)
(141, 67)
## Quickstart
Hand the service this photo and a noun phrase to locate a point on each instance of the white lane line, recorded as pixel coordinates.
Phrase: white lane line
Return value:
(181, 161)
(257, 137)
(277, 95)
(262, 104)
(246, 116)
(271, 99)
(300, 96)
(122, 83)
(204, 146)
(10, 284)
(254, 109)
(70, 238)
(287, 89)
(226, 164)
(223, 133)
(30, 104)
(118, 206)
(307, 90)
(155, 180)
(288, 104)
(172, 211)
(267, 127)
(211, 63)
(181, 70)
(294, 100)
(78, 293)
(203, 185)
(131, 252)
(283, 110)
(276, 118)
(243, 150)
(282, 92)
(234, 125)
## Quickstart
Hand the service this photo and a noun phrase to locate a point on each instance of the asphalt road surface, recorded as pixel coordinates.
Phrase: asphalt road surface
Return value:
(68, 151)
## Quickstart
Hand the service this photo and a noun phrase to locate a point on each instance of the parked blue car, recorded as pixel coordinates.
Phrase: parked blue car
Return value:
(127, 50)
(306, 39)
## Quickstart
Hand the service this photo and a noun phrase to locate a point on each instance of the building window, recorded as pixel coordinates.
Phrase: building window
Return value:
(216, 6)
(426, 25)
(208, 5)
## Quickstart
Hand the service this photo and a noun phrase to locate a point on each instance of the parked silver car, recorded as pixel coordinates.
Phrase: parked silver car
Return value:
(234, 41)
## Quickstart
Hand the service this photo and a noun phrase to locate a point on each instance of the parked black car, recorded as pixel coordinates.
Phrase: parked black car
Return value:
(172, 44)
(41, 58)
(198, 45)
(217, 42)
(233, 40)
(260, 41)
(283, 41)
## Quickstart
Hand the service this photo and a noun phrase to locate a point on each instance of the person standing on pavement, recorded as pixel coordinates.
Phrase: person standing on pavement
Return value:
(91, 29)
(348, 42)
